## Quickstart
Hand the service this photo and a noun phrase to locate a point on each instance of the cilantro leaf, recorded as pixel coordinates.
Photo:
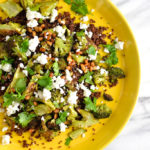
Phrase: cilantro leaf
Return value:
(7, 61)
(87, 77)
(20, 85)
(56, 68)
(45, 82)
(68, 140)
(112, 58)
(67, 1)
(25, 118)
(30, 71)
(81, 33)
(89, 105)
(79, 7)
(24, 45)
(9, 98)
(91, 50)
(62, 117)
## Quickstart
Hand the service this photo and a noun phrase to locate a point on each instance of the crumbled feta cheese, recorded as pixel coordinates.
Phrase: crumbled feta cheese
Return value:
(119, 45)
(58, 82)
(54, 15)
(87, 92)
(1, 110)
(7, 37)
(62, 100)
(83, 135)
(61, 91)
(6, 67)
(92, 87)
(62, 21)
(33, 43)
(42, 59)
(16, 127)
(25, 72)
(97, 67)
(46, 94)
(106, 50)
(36, 94)
(5, 139)
(33, 14)
(3, 88)
(79, 70)
(102, 61)
(72, 99)
(83, 26)
(32, 23)
(4, 129)
(92, 10)
(103, 71)
(93, 57)
(68, 75)
(62, 127)
(85, 18)
(13, 108)
(56, 59)
(61, 32)
(40, 95)
(21, 65)
(89, 34)
(42, 118)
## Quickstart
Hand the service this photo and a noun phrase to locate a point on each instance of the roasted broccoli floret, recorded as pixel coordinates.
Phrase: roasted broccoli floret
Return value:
(102, 111)
(62, 48)
(75, 134)
(62, 64)
(11, 8)
(115, 73)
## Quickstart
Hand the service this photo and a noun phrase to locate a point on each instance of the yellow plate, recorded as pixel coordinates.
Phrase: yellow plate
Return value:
(125, 93)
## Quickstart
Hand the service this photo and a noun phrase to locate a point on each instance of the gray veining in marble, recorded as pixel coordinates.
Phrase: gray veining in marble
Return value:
(136, 134)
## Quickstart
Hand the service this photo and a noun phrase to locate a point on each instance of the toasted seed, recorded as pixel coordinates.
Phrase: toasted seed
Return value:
(40, 38)
(43, 26)
(42, 49)
(33, 33)
(29, 30)
(49, 43)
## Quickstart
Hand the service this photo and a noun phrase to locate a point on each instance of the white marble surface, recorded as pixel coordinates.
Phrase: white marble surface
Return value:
(136, 134)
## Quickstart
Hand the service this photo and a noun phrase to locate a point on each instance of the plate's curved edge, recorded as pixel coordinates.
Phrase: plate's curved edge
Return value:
(139, 75)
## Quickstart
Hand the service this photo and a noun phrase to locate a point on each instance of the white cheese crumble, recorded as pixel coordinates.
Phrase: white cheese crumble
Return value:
(72, 99)
(13, 108)
(46, 94)
(7, 37)
(92, 87)
(87, 92)
(85, 18)
(62, 127)
(103, 71)
(3, 88)
(62, 100)
(102, 61)
(32, 23)
(106, 50)
(28, 53)
(68, 75)
(89, 34)
(33, 14)
(61, 32)
(93, 57)
(5, 139)
(54, 15)
(83, 26)
(25, 72)
(79, 70)
(119, 45)
(40, 94)
(42, 118)
(6, 67)
(21, 65)
(4, 129)
(42, 59)
(33, 43)
(58, 82)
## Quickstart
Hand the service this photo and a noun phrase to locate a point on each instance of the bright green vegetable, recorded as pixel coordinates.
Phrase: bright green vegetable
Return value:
(91, 50)
(68, 140)
(89, 104)
(11, 8)
(20, 85)
(62, 48)
(87, 120)
(87, 78)
(26, 3)
(30, 71)
(25, 118)
(62, 64)
(78, 58)
(75, 134)
(102, 111)
(7, 60)
(56, 68)
(1, 72)
(42, 109)
(67, 1)
(62, 117)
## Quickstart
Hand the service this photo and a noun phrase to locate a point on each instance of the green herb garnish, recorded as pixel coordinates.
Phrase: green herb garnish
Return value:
(68, 140)
(7, 61)
(62, 117)
(87, 77)
(80, 34)
(91, 50)
(67, 1)
(30, 71)
(89, 104)
(24, 45)
(25, 118)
